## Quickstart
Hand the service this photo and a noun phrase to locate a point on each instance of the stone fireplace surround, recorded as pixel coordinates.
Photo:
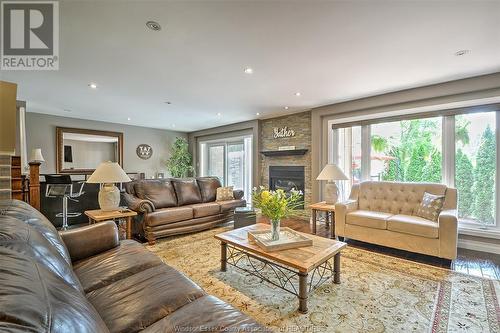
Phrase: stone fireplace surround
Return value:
(300, 123)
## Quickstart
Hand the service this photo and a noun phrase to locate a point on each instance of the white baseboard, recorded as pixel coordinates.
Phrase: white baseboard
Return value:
(478, 246)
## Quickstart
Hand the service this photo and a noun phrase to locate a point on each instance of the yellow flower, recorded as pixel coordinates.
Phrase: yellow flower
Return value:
(265, 195)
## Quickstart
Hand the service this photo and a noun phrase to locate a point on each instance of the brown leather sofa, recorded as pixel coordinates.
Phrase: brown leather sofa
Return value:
(176, 206)
(86, 280)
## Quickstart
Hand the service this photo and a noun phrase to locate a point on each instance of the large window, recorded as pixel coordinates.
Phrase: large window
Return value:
(230, 160)
(475, 167)
(349, 157)
(458, 150)
(407, 151)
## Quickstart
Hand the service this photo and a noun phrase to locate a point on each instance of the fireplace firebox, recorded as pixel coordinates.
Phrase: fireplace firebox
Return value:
(287, 178)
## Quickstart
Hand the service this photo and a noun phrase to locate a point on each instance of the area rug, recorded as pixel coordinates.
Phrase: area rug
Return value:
(378, 293)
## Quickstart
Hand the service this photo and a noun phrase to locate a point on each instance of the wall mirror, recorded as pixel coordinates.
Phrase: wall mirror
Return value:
(80, 151)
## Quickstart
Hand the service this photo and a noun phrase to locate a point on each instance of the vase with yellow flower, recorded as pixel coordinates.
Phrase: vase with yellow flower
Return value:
(276, 205)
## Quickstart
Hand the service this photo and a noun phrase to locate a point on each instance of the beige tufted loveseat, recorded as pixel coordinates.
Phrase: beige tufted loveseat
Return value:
(382, 213)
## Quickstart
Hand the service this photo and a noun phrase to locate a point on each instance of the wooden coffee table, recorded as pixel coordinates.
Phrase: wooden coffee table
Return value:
(311, 265)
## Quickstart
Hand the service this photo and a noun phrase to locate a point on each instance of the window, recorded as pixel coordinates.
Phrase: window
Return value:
(459, 150)
(349, 157)
(407, 151)
(475, 168)
(230, 160)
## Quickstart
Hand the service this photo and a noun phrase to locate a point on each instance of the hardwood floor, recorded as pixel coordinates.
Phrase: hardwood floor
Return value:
(470, 262)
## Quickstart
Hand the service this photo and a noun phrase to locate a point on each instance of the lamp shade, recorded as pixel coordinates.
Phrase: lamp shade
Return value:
(331, 172)
(36, 156)
(109, 172)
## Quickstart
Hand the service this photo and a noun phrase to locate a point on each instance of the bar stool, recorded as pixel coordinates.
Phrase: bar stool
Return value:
(61, 186)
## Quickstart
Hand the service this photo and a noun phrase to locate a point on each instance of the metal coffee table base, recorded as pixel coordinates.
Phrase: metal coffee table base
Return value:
(300, 284)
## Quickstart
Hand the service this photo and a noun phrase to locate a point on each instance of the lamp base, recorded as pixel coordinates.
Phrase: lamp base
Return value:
(109, 197)
(331, 194)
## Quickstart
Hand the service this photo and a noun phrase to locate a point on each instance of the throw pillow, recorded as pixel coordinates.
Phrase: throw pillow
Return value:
(225, 193)
(430, 207)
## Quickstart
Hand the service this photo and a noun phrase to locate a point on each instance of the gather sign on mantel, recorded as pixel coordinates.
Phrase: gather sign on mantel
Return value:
(283, 132)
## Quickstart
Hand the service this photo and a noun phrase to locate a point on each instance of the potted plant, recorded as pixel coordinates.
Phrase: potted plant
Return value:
(276, 205)
(180, 162)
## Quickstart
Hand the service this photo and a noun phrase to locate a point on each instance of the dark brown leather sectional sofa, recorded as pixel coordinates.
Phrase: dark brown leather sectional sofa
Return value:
(86, 280)
(176, 206)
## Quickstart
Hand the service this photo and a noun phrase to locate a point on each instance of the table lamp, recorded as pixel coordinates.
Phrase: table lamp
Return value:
(36, 156)
(109, 173)
(331, 173)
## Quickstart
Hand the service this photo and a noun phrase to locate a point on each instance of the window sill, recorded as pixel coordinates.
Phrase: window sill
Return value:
(489, 233)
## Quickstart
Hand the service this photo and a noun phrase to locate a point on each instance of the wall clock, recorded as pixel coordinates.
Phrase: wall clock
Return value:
(144, 151)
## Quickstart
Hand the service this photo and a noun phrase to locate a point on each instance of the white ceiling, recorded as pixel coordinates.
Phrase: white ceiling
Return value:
(329, 51)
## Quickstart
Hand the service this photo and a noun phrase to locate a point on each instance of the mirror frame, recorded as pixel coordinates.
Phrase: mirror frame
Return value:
(60, 146)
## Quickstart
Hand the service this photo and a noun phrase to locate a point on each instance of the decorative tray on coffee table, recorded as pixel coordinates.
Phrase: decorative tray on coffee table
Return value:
(289, 239)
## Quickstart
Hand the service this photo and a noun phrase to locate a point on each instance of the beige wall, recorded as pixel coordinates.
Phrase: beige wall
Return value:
(41, 133)
(8, 114)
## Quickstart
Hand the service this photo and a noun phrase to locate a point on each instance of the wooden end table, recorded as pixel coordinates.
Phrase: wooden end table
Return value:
(330, 216)
(98, 215)
(298, 271)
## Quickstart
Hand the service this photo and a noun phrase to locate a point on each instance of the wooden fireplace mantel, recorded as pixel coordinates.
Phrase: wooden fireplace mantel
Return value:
(290, 152)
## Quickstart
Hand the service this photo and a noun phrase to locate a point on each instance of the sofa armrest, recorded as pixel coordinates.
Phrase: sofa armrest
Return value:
(238, 194)
(90, 240)
(138, 205)
(448, 233)
(341, 211)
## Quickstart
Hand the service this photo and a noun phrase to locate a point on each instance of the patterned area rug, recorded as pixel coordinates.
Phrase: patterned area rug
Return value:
(378, 293)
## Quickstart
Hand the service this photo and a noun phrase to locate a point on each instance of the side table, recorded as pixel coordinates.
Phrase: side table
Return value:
(330, 216)
(98, 215)
(244, 216)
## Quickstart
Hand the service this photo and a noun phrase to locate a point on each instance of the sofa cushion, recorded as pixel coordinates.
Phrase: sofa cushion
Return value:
(205, 209)
(169, 215)
(370, 219)
(208, 188)
(229, 205)
(18, 236)
(430, 207)
(187, 191)
(134, 303)
(413, 225)
(116, 264)
(34, 299)
(225, 193)
(205, 313)
(160, 192)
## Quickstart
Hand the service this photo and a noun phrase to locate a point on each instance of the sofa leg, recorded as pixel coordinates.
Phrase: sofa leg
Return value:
(151, 240)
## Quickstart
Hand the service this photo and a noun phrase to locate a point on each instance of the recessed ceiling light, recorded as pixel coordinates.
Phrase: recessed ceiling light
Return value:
(219, 114)
(257, 114)
(286, 107)
(297, 93)
(93, 85)
(173, 125)
(462, 53)
(155, 26)
(129, 119)
(248, 70)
